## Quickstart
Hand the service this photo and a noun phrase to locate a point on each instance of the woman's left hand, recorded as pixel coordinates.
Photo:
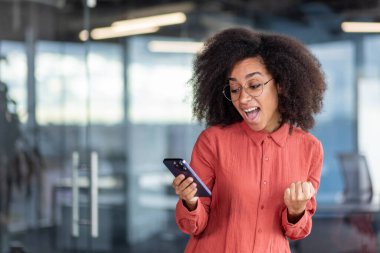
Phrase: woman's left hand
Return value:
(296, 197)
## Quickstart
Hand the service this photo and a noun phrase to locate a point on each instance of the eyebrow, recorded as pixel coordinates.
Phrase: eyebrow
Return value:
(246, 76)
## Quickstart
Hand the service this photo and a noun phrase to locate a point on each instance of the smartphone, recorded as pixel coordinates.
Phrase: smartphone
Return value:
(179, 166)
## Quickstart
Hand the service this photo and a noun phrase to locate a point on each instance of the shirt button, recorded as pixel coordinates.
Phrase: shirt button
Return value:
(265, 182)
(259, 230)
(266, 158)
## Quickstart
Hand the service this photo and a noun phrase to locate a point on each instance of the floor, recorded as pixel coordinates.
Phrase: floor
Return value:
(42, 241)
(357, 233)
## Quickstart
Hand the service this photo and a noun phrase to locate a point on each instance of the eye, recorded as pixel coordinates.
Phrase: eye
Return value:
(254, 86)
(235, 90)
(234, 87)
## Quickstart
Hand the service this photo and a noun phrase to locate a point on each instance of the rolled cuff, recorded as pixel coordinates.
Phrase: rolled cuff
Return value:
(187, 220)
(299, 230)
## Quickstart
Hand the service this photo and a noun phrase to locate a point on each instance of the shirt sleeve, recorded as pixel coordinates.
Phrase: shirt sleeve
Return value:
(203, 163)
(302, 228)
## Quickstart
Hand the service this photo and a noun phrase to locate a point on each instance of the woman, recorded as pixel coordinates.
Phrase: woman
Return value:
(258, 93)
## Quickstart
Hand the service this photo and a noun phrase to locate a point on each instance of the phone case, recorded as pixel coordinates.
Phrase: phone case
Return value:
(179, 166)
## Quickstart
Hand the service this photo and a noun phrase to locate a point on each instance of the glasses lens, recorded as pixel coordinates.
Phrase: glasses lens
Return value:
(227, 92)
(255, 89)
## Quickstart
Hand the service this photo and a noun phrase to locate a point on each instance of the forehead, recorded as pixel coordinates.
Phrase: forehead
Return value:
(247, 66)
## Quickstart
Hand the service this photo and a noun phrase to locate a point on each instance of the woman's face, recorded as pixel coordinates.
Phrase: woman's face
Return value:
(261, 112)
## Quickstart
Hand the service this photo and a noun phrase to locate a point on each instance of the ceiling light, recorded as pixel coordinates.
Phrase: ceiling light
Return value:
(110, 32)
(83, 35)
(153, 21)
(361, 27)
(136, 26)
(175, 46)
(91, 3)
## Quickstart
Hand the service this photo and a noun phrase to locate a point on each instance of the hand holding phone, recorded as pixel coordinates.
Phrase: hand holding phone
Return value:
(179, 166)
(186, 190)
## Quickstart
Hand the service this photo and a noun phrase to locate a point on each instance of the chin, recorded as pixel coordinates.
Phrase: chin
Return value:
(255, 127)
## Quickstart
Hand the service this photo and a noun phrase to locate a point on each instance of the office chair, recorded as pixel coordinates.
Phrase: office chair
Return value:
(357, 178)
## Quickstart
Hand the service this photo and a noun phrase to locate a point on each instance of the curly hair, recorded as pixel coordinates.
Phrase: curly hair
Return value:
(294, 68)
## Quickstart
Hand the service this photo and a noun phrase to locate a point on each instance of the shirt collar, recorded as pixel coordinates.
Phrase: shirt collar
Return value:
(279, 136)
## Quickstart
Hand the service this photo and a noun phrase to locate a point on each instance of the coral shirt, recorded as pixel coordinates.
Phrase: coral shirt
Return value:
(248, 173)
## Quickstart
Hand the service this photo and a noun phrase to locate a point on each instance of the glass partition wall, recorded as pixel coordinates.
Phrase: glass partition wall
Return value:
(96, 120)
(82, 131)
(63, 185)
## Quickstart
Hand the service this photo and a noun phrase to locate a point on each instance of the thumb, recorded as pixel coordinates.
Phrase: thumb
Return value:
(312, 190)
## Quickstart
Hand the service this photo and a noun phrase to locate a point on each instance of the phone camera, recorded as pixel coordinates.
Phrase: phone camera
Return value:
(183, 167)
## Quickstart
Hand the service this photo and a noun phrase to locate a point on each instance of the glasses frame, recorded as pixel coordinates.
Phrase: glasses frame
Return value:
(228, 85)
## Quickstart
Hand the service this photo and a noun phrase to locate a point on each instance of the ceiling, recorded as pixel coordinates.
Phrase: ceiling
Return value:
(64, 19)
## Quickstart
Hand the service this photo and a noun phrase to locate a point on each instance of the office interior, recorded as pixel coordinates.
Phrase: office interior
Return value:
(95, 93)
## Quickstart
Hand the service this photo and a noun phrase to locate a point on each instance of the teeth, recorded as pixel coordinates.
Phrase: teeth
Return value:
(251, 109)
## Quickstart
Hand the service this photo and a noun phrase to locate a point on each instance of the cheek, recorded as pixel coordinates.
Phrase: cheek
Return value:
(274, 106)
(274, 103)
(270, 105)
(236, 105)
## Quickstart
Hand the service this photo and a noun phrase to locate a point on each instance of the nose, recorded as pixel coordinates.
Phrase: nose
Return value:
(244, 96)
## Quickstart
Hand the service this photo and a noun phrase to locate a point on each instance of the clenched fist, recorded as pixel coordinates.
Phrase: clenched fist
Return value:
(296, 197)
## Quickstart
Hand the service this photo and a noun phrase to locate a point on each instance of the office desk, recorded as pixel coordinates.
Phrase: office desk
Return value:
(346, 208)
(343, 228)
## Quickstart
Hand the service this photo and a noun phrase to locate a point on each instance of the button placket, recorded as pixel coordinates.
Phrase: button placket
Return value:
(265, 183)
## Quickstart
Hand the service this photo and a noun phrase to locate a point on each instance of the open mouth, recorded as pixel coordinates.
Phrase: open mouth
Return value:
(252, 112)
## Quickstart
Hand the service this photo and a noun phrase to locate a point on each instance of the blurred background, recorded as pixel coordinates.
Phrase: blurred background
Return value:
(94, 94)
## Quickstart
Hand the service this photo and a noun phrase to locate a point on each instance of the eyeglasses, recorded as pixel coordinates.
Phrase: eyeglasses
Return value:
(232, 91)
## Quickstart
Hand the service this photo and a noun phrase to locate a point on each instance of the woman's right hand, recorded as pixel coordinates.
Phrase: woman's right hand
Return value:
(186, 190)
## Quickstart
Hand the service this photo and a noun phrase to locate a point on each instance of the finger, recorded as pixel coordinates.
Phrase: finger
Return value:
(293, 191)
(306, 190)
(189, 189)
(191, 194)
(185, 183)
(312, 189)
(299, 193)
(177, 181)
